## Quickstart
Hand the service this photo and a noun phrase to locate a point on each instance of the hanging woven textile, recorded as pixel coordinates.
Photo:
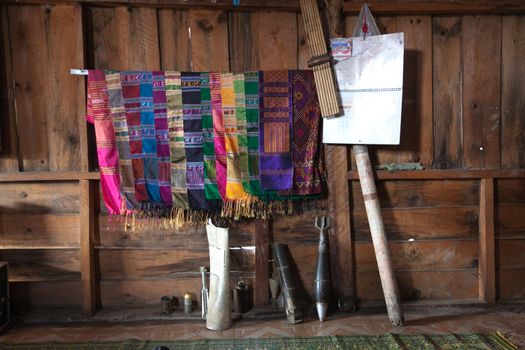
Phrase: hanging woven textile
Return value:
(218, 132)
(251, 87)
(176, 134)
(275, 163)
(193, 139)
(99, 114)
(120, 127)
(305, 141)
(162, 137)
(242, 135)
(211, 191)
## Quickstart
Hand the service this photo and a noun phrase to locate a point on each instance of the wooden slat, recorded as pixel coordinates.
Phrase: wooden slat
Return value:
(87, 260)
(27, 295)
(447, 92)
(28, 231)
(35, 176)
(209, 40)
(511, 284)
(510, 254)
(297, 229)
(125, 38)
(510, 191)
(47, 42)
(424, 255)
(421, 223)
(481, 50)
(32, 198)
(513, 92)
(433, 7)
(169, 264)
(415, 285)
(263, 41)
(509, 221)
(42, 264)
(416, 119)
(8, 132)
(263, 237)
(175, 44)
(303, 54)
(487, 275)
(421, 193)
(443, 174)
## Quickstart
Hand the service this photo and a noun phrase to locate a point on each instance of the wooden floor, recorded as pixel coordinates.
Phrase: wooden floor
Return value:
(508, 320)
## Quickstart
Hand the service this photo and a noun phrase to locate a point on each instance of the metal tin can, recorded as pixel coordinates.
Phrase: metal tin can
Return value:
(188, 303)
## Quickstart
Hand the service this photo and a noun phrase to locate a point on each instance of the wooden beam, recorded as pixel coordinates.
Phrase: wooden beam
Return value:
(261, 295)
(87, 261)
(49, 176)
(487, 266)
(434, 174)
(438, 7)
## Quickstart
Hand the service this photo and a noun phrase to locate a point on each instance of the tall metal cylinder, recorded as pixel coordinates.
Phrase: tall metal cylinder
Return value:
(219, 300)
(293, 313)
(322, 278)
(377, 230)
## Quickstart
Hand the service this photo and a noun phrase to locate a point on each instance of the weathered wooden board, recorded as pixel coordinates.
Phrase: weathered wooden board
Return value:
(39, 231)
(421, 223)
(124, 38)
(174, 39)
(303, 51)
(415, 285)
(263, 41)
(447, 90)
(509, 221)
(298, 229)
(513, 92)
(145, 292)
(510, 254)
(511, 284)
(481, 52)
(416, 119)
(424, 255)
(420, 193)
(34, 197)
(8, 132)
(29, 265)
(28, 295)
(118, 264)
(510, 191)
(46, 43)
(209, 40)
(113, 235)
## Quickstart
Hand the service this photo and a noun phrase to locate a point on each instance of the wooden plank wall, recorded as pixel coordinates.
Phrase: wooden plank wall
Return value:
(463, 108)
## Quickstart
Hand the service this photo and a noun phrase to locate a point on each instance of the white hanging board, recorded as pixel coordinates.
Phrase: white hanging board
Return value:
(369, 74)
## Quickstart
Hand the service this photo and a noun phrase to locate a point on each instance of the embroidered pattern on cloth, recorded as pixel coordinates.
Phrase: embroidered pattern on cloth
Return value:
(251, 86)
(193, 139)
(176, 134)
(234, 188)
(218, 133)
(162, 137)
(275, 163)
(211, 191)
(120, 126)
(242, 134)
(99, 114)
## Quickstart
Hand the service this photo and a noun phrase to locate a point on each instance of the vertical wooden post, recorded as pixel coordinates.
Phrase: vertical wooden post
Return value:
(487, 268)
(87, 261)
(261, 295)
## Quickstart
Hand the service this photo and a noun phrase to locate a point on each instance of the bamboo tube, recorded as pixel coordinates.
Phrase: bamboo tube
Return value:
(323, 73)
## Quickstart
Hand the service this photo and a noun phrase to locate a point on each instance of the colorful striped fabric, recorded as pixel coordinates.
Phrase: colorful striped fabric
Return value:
(275, 163)
(193, 139)
(120, 126)
(176, 134)
(211, 191)
(162, 137)
(234, 188)
(218, 132)
(98, 112)
(251, 87)
(242, 135)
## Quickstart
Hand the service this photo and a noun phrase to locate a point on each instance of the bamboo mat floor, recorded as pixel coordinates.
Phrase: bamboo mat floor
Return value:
(508, 320)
